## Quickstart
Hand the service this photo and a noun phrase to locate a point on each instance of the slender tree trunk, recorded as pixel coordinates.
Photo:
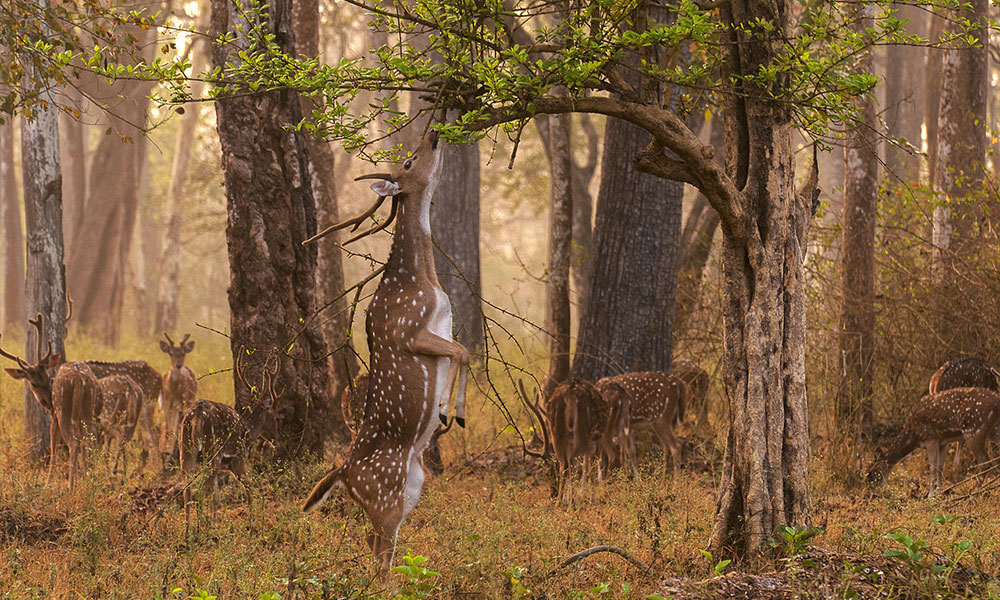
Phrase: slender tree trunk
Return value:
(46, 277)
(73, 157)
(765, 469)
(13, 236)
(857, 312)
(455, 223)
(583, 206)
(627, 320)
(904, 100)
(932, 93)
(560, 237)
(271, 209)
(336, 325)
(168, 288)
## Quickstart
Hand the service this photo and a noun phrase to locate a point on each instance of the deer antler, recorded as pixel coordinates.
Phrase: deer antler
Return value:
(39, 323)
(377, 228)
(534, 408)
(355, 221)
(69, 306)
(166, 335)
(184, 341)
(18, 359)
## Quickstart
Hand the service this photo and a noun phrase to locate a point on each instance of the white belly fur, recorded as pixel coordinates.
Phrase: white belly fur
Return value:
(440, 325)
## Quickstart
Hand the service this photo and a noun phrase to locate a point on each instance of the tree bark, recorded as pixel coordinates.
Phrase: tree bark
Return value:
(904, 100)
(13, 236)
(271, 209)
(336, 325)
(73, 158)
(560, 237)
(765, 469)
(583, 207)
(455, 223)
(46, 277)
(628, 309)
(932, 93)
(857, 311)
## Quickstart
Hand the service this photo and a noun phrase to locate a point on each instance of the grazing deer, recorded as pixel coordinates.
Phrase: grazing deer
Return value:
(697, 381)
(655, 401)
(151, 383)
(352, 408)
(122, 408)
(218, 437)
(179, 387)
(72, 399)
(965, 371)
(414, 361)
(968, 414)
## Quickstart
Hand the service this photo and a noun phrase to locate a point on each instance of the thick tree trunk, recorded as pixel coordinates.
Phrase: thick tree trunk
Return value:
(557, 322)
(455, 223)
(336, 325)
(765, 469)
(857, 311)
(46, 277)
(13, 236)
(271, 209)
(904, 100)
(169, 284)
(627, 320)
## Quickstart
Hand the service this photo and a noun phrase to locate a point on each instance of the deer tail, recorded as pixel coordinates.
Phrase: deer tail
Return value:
(332, 480)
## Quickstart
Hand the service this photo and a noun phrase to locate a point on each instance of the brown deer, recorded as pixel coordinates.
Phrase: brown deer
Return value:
(151, 383)
(965, 371)
(218, 437)
(655, 401)
(72, 398)
(968, 414)
(697, 381)
(179, 388)
(352, 408)
(123, 404)
(414, 361)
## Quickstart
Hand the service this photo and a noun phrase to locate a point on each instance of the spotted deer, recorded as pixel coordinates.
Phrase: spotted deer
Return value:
(151, 384)
(179, 388)
(655, 401)
(217, 437)
(122, 400)
(414, 361)
(352, 408)
(965, 371)
(970, 414)
(72, 398)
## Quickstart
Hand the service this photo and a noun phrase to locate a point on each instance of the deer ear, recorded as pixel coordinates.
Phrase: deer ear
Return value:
(165, 347)
(189, 346)
(15, 373)
(384, 187)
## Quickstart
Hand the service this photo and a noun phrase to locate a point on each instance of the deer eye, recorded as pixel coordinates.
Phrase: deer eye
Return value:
(408, 164)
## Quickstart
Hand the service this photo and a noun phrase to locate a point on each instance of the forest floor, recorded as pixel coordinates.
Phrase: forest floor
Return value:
(487, 528)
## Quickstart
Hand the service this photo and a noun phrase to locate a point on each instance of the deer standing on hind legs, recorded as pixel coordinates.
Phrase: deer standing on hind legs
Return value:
(179, 389)
(72, 399)
(414, 361)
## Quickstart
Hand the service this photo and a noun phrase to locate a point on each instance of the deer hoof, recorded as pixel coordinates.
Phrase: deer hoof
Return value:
(460, 421)
(444, 418)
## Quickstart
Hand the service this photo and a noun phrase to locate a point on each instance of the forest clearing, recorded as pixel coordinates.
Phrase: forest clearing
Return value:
(446, 299)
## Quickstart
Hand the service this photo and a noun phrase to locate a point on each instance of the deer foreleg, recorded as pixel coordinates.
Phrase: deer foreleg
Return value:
(53, 432)
(431, 344)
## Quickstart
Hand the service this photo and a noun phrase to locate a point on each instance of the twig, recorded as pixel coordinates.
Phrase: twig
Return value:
(612, 549)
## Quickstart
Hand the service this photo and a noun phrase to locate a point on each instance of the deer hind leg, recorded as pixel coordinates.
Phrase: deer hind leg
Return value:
(935, 463)
(671, 445)
(385, 527)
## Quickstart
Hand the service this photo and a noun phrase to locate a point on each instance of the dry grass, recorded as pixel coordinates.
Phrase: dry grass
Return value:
(489, 527)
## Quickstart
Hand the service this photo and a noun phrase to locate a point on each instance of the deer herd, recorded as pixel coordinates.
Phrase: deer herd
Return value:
(417, 371)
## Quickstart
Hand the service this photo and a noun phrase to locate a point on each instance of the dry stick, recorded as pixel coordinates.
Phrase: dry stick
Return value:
(992, 485)
(611, 549)
(990, 466)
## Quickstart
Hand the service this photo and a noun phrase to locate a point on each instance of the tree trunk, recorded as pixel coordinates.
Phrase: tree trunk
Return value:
(904, 100)
(857, 312)
(765, 469)
(46, 277)
(336, 325)
(73, 158)
(627, 320)
(168, 288)
(583, 207)
(13, 237)
(98, 258)
(557, 322)
(932, 93)
(271, 209)
(455, 223)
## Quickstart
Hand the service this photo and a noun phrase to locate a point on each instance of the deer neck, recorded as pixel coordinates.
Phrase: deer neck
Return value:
(412, 253)
(255, 419)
